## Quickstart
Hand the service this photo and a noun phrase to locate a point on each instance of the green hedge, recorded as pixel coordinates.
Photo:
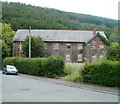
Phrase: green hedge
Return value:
(102, 73)
(53, 65)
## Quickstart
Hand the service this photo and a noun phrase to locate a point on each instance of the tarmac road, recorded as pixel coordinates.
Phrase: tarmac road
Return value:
(23, 89)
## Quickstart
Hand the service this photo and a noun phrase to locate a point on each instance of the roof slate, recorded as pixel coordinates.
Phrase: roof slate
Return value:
(57, 35)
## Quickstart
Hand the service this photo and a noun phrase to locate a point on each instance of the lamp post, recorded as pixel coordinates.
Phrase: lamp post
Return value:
(20, 47)
(29, 41)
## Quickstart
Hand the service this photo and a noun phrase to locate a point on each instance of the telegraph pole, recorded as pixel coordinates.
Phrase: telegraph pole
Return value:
(29, 41)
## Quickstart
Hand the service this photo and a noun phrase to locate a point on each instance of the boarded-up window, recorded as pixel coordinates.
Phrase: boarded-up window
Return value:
(68, 46)
(80, 46)
(67, 57)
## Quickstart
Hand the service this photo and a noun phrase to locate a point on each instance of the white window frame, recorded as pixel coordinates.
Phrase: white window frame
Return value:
(79, 46)
(55, 44)
(101, 46)
(45, 45)
(80, 57)
(94, 58)
(94, 44)
(68, 57)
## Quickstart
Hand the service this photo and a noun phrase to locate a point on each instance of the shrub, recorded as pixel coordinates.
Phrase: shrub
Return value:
(114, 52)
(50, 66)
(53, 66)
(9, 61)
(102, 73)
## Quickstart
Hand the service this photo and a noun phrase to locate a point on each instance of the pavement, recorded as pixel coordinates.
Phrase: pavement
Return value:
(86, 86)
(25, 88)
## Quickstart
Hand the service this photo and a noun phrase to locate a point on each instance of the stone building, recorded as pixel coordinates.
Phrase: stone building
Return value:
(73, 45)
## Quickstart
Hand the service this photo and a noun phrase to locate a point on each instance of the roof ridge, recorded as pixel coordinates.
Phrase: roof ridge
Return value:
(57, 29)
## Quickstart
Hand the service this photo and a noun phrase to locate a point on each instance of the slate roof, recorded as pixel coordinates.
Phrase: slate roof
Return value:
(57, 35)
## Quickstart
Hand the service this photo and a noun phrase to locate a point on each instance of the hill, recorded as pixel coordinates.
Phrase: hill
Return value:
(21, 16)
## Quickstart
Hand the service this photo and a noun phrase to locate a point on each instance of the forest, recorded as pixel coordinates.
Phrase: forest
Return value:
(21, 16)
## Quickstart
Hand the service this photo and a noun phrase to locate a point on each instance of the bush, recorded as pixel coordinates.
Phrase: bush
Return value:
(53, 66)
(102, 73)
(50, 66)
(9, 61)
(114, 52)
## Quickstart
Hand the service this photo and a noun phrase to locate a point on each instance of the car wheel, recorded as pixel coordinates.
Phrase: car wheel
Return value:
(6, 73)
(3, 72)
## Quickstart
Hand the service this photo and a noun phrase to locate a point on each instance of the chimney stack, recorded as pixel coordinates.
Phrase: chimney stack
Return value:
(94, 31)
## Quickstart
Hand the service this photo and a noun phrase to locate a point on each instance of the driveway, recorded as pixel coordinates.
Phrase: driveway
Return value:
(26, 89)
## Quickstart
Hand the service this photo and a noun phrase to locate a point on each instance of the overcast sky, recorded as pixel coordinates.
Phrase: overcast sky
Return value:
(102, 8)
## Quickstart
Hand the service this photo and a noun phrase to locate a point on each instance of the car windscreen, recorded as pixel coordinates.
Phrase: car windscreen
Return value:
(10, 67)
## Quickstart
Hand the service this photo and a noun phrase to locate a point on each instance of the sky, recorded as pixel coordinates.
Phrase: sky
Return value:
(101, 8)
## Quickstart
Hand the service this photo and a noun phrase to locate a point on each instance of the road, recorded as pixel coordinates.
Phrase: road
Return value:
(23, 89)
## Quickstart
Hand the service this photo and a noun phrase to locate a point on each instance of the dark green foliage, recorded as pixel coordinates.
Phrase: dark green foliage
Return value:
(104, 40)
(9, 61)
(54, 65)
(7, 37)
(114, 52)
(4, 49)
(102, 73)
(22, 16)
(37, 47)
(51, 66)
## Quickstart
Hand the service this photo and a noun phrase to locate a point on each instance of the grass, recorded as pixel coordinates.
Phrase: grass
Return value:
(73, 71)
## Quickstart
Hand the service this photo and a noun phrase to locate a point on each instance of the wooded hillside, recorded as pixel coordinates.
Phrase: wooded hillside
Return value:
(21, 16)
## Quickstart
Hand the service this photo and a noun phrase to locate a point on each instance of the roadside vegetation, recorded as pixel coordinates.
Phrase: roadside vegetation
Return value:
(73, 72)
(102, 72)
(50, 67)
(37, 47)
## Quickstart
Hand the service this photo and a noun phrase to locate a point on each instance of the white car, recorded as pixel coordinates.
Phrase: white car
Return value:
(10, 69)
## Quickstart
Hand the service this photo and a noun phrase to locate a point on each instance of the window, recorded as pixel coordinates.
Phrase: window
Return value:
(101, 56)
(94, 45)
(68, 46)
(20, 47)
(94, 58)
(101, 46)
(80, 56)
(67, 57)
(55, 46)
(80, 46)
(45, 45)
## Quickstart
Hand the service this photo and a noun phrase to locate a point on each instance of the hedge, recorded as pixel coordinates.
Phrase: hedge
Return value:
(102, 73)
(53, 65)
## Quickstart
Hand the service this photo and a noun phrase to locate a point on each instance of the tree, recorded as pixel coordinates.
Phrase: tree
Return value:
(7, 35)
(114, 52)
(4, 49)
(37, 47)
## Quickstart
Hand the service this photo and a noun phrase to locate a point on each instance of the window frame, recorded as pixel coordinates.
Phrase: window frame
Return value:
(68, 48)
(94, 46)
(81, 58)
(78, 46)
(57, 46)
(69, 57)
(45, 45)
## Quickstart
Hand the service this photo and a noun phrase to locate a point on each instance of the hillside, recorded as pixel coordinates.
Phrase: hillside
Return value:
(20, 16)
